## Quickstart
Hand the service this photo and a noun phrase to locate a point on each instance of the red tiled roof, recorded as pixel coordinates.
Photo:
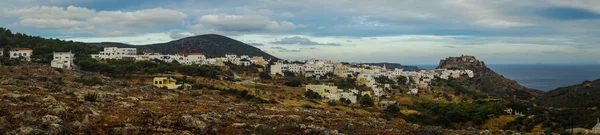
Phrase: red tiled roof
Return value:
(21, 49)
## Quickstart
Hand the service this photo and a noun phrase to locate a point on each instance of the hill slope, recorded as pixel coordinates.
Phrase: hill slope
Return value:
(211, 45)
(586, 94)
(488, 82)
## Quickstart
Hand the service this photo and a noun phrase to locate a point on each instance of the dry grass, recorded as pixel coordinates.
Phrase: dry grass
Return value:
(498, 123)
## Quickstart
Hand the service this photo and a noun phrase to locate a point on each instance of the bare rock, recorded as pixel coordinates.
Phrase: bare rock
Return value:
(195, 124)
(51, 119)
(56, 129)
(128, 129)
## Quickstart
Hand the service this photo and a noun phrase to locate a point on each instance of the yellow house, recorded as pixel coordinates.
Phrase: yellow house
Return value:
(162, 82)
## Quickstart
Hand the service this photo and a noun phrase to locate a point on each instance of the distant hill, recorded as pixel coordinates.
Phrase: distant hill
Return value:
(211, 45)
(394, 65)
(586, 94)
(488, 82)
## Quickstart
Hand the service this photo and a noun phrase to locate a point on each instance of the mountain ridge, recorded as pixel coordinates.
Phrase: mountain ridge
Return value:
(585, 94)
(212, 45)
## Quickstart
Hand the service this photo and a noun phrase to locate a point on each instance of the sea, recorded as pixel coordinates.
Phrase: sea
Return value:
(543, 77)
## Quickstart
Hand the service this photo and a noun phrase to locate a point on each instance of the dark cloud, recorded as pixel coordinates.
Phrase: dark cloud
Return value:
(450, 46)
(301, 41)
(309, 48)
(568, 13)
(176, 34)
(551, 52)
(256, 44)
(281, 49)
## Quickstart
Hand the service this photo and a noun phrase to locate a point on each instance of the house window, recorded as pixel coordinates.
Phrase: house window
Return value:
(159, 82)
(15, 54)
(155, 82)
(24, 54)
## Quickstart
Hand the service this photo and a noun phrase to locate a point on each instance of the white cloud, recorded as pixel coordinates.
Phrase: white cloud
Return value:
(146, 17)
(287, 14)
(45, 12)
(106, 23)
(245, 23)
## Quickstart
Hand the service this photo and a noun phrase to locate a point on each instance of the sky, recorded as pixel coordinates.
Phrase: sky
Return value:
(402, 31)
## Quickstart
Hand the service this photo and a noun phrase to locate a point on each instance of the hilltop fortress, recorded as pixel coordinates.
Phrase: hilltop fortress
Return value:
(462, 62)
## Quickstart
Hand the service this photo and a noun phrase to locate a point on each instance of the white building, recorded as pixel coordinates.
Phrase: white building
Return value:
(278, 68)
(23, 53)
(324, 90)
(190, 58)
(412, 91)
(63, 60)
(116, 53)
(596, 129)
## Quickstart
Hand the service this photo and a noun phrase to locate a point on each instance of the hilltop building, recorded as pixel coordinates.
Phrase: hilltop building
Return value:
(116, 53)
(462, 62)
(63, 60)
(22, 53)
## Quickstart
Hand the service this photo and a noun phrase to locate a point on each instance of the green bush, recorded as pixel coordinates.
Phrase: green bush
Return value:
(366, 100)
(264, 76)
(89, 82)
(91, 97)
(312, 95)
(293, 83)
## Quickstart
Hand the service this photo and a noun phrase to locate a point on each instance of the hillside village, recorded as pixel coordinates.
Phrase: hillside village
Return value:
(365, 75)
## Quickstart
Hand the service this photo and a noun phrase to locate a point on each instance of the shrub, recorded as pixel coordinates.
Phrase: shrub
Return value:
(293, 83)
(265, 76)
(392, 109)
(196, 94)
(312, 95)
(366, 100)
(89, 82)
(91, 97)
(60, 70)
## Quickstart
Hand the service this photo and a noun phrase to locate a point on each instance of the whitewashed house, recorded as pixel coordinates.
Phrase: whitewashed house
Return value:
(62, 60)
(412, 91)
(116, 53)
(22, 53)
(278, 68)
(324, 90)
(190, 58)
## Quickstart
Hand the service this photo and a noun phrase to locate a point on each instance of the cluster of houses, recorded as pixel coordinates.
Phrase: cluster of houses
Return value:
(365, 75)
(22, 53)
(182, 58)
(62, 60)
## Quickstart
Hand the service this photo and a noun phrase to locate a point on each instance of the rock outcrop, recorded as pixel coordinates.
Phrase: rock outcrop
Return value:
(486, 81)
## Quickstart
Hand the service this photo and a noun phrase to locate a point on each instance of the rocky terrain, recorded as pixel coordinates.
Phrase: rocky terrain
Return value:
(37, 99)
(488, 82)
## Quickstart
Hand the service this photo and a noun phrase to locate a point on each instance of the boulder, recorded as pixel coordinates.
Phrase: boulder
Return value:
(192, 123)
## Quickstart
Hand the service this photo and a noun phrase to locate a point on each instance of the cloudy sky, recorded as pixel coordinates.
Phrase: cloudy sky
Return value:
(403, 31)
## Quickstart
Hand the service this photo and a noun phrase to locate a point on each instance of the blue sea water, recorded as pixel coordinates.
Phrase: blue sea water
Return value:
(544, 77)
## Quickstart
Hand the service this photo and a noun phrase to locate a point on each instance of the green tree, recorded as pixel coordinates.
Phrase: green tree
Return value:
(264, 76)
(312, 95)
(366, 100)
